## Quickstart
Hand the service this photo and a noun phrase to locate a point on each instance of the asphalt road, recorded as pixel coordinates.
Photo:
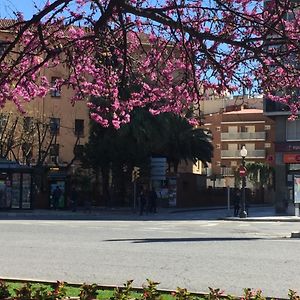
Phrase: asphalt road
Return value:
(187, 253)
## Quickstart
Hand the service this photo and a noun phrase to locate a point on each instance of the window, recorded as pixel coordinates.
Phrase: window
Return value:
(54, 150)
(250, 129)
(3, 47)
(232, 147)
(3, 122)
(250, 147)
(54, 125)
(27, 150)
(78, 151)
(79, 127)
(55, 90)
(28, 124)
(267, 127)
(267, 145)
(233, 163)
(293, 130)
(232, 129)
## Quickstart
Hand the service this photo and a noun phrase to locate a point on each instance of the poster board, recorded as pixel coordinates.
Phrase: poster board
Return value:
(296, 188)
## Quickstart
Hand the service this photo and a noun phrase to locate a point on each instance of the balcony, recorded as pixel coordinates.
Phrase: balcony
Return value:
(227, 171)
(236, 154)
(242, 136)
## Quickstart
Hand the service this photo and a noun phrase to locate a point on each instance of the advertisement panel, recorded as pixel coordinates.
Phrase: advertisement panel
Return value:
(296, 188)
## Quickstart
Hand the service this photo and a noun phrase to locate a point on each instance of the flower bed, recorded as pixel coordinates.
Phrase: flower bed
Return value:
(15, 290)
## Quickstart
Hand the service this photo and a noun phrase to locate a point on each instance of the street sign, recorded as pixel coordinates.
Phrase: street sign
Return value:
(242, 171)
(158, 168)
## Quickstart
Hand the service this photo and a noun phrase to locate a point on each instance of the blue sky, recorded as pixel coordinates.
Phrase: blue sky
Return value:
(27, 7)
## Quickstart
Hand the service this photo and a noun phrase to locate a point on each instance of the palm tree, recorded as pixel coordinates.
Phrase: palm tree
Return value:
(180, 141)
(133, 144)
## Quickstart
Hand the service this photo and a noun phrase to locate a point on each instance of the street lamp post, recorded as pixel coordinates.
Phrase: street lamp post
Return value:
(243, 213)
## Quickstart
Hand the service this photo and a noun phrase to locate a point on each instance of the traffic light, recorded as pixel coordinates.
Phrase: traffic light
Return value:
(135, 173)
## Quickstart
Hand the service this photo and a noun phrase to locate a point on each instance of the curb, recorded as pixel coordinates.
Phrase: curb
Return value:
(261, 219)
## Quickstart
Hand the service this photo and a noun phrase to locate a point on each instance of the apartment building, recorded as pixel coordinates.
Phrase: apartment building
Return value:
(67, 126)
(287, 146)
(231, 129)
(287, 153)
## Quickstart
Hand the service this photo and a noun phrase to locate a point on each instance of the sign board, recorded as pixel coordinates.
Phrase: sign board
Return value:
(291, 158)
(158, 168)
(242, 171)
(287, 147)
(296, 188)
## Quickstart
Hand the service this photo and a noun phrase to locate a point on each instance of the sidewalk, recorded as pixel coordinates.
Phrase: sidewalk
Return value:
(256, 214)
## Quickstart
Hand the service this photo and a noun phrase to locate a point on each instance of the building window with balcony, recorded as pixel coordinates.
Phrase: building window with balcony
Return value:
(232, 129)
(55, 90)
(249, 129)
(79, 127)
(293, 130)
(54, 125)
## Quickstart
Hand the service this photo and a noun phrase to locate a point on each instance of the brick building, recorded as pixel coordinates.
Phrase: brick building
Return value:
(231, 129)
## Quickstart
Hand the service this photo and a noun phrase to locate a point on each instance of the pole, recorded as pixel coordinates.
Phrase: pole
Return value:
(296, 209)
(134, 195)
(243, 213)
(228, 200)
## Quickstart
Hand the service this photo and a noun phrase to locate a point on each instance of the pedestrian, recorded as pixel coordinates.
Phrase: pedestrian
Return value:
(142, 201)
(88, 204)
(74, 198)
(236, 202)
(152, 201)
(56, 196)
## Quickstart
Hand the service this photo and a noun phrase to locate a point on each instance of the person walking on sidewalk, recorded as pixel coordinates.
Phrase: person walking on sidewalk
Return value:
(56, 197)
(142, 201)
(152, 201)
(74, 198)
(236, 202)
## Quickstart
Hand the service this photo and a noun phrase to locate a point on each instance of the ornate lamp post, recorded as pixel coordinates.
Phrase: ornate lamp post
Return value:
(243, 213)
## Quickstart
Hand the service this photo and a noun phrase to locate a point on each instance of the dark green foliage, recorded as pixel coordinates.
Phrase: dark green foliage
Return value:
(24, 293)
(259, 174)
(4, 292)
(167, 135)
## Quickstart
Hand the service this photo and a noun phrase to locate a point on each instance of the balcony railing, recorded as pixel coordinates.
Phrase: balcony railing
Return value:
(236, 154)
(238, 136)
(227, 171)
